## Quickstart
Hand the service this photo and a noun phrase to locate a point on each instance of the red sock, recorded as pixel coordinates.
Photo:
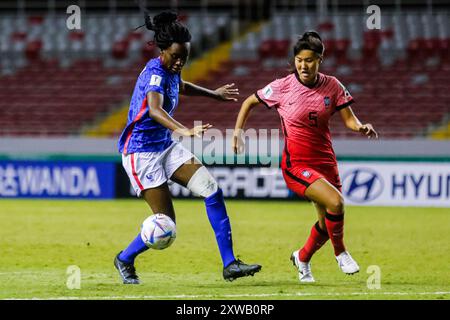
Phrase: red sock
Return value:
(335, 228)
(315, 241)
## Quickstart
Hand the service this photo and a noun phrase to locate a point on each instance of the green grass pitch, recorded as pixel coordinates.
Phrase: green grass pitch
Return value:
(40, 239)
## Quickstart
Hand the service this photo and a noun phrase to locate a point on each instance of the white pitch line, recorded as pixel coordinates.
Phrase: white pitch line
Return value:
(57, 273)
(262, 295)
(27, 273)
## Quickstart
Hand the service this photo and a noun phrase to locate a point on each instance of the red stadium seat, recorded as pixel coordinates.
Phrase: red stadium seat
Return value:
(340, 48)
(35, 20)
(18, 36)
(326, 26)
(149, 51)
(265, 49)
(134, 35)
(76, 35)
(33, 49)
(120, 49)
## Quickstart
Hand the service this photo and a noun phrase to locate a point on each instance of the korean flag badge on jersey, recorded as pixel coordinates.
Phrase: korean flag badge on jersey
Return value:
(155, 80)
(306, 173)
(327, 102)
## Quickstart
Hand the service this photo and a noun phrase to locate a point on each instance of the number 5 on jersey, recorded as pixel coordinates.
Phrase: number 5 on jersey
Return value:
(313, 119)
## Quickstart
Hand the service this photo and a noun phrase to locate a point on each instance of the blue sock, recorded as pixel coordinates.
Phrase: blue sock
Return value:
(217, 215)
(136, 247)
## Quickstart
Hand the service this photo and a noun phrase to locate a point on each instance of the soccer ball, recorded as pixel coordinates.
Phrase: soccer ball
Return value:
(158, 231)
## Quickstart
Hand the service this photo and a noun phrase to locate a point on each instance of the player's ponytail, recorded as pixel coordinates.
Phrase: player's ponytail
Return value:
(167, 29)
(161, 20)
(310, 40)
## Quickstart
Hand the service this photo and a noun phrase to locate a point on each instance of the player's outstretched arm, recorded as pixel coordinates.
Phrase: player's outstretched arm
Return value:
(244, 113)
(158, 114)
(353, 123)
(224, 93)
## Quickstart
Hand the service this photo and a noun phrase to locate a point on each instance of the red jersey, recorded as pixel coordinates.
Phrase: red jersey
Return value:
(305, 114)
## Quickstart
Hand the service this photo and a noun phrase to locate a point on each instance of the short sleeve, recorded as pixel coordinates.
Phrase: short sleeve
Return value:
(343, 98)
(155, 82)
(270, 95)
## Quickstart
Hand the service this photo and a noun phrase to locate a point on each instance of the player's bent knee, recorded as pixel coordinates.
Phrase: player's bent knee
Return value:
(336, 205)
(202, 183)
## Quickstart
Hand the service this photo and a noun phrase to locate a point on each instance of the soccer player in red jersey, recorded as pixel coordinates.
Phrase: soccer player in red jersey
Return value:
(305, 101)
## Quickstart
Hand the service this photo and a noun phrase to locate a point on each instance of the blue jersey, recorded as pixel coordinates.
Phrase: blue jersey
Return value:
(142, 133)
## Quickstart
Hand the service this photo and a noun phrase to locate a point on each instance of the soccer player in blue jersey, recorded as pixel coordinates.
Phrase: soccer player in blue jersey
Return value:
(150, 157)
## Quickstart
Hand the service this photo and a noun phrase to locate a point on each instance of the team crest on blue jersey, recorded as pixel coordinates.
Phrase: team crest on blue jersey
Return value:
(326, 101)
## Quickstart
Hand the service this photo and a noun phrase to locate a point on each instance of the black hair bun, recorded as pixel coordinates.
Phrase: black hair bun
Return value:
(311, 33)
(148, 22)
(160, 20)
(165, 18)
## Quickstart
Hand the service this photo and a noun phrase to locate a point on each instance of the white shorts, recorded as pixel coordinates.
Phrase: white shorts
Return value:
(151, 169)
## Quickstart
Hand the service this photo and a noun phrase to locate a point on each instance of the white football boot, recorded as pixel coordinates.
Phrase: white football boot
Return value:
(304, 268)
(346, 263)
